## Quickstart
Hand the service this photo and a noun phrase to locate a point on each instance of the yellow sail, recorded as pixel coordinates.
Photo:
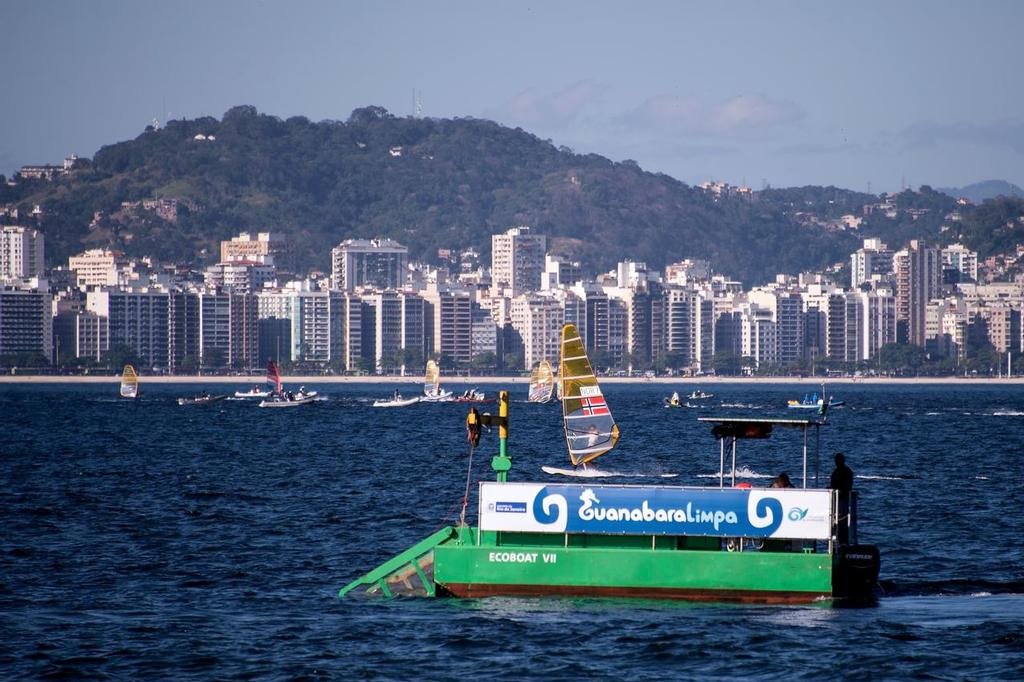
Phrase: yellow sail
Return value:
(432, 379)
(542, 382)
(590, 429)
(129, 382)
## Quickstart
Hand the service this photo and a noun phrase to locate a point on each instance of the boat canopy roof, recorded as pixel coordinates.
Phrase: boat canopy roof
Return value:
(741, 421)
(737, 428)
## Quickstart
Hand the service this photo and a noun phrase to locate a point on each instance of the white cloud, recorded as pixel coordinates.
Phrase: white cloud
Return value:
(549, 110)
(752, 113)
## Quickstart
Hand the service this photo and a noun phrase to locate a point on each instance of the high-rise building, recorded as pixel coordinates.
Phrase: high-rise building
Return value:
(98, 268)
(593, 326)
(84, 334)
(26, 323)
(878, 322)
(641, 339)
(961, 259)
(377, 263)
(946, 328)
(323, 326)
(183, 331)
(918, 272)
(214, 329)
(559, 272)
(484, 338)
(687, 272)
(243, 277)
(759, 336)
(396, 323)
(538, 320)
(21, 253)
(873, 262)
(689, 328)
(787, 308)
(243, 346)
(843, 324)
(448, 323)
(267, 248)
(1004, 327)
(228, 330)
(138, 321)
(517, 261)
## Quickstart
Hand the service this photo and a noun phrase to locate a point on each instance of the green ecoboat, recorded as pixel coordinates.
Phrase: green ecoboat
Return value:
(724, 542)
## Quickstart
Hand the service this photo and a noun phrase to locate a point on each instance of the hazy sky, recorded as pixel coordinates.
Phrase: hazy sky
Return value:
(789, 93)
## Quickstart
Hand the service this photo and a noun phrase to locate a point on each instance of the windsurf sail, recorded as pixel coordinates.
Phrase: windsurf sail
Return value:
(590, 429)
(273, 376)
(129, 382)
(542, 382)
(432, 379)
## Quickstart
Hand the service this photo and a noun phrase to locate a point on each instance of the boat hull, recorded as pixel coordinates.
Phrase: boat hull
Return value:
(298, 402)
(766, 577)
(396, 403)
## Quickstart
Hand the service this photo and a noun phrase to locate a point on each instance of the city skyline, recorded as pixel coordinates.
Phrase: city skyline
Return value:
(379, 312)
(793, 94)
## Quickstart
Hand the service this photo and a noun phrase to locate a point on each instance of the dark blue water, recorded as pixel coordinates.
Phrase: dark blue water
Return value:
(143, 539)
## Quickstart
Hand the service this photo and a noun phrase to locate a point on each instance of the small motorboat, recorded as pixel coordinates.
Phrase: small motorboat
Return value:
(287, 400)
(699, 395)
(441, 396)
(281, 397)
(254, 392)
(473, 396)
(814, 403)
(202, 399)
(396, 401)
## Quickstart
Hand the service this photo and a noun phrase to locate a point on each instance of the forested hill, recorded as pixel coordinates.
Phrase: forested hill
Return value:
(428, 183)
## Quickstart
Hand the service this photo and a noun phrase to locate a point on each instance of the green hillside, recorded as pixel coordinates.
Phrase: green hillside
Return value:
(428, 183)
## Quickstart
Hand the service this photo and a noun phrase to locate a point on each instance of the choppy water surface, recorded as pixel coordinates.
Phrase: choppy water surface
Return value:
(145, 539)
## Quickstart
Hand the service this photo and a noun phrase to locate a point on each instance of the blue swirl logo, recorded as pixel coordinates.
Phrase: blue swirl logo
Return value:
(797, 514)
(545, 507)
(769, 508)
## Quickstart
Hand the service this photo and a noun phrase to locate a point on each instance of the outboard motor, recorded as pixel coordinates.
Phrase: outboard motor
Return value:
(856, 571)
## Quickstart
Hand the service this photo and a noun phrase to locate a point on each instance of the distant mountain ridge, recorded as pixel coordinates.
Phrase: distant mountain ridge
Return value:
(987, 189)
(431, 184)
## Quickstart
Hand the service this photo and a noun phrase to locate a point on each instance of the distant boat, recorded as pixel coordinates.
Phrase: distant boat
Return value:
(472, 396)
(432, 391)
(813, 402)
(396, 401)
(280, 397)
(542, 383)
(203, 399)
(590, 429)
(699, 395)
(254, 392)
(129, 382)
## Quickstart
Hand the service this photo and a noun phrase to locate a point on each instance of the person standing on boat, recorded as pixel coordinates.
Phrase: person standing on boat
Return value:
(842, 481)
(473, 427)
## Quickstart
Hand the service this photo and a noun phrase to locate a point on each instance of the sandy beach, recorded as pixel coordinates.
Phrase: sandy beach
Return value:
(246, 381)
